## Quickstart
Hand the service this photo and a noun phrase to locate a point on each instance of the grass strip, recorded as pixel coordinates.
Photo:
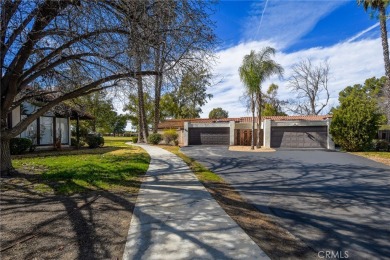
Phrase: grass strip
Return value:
(273, 239)
(382, 157)
(115, 167)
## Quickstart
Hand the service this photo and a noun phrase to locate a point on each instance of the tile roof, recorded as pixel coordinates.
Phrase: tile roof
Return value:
(179, 123)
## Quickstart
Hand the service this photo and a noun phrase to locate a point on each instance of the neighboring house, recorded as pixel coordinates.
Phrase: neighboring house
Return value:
(384, 133)
(277, 131)
(49, 128)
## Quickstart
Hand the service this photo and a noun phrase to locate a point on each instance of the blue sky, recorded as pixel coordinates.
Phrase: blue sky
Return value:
(336, 21)
(338, 31)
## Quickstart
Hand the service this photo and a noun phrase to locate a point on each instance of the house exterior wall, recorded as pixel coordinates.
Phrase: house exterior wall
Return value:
(267, 126)
(20, 112)
(267, 133)
(384, 135)
(232, 126)
(246, 125)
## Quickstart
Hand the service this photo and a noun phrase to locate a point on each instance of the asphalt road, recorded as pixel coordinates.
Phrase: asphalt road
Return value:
(338, 203)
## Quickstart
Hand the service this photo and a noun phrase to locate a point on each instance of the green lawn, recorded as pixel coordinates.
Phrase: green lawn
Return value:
(115, 167)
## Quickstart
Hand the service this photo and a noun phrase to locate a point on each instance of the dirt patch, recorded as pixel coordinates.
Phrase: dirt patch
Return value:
(237, 148)
(36, 225)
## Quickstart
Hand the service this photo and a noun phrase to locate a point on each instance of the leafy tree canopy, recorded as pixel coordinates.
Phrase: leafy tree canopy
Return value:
(356, 120)
(218, 113)
(186, 99)
(97, 105)
(272, 105)
(132, 108)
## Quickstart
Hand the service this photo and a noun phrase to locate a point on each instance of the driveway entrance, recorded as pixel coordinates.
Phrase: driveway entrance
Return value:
(333, 201)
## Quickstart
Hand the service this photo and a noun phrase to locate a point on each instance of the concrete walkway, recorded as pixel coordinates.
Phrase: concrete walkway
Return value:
(176, 218)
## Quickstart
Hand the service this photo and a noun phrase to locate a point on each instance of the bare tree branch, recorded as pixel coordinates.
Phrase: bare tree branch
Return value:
(310, 84)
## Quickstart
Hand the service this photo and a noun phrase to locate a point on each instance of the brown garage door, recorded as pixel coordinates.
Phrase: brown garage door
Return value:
(211, 136)
(299, 136)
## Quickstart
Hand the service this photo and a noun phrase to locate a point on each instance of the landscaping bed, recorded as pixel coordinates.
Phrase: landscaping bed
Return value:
(68, 206)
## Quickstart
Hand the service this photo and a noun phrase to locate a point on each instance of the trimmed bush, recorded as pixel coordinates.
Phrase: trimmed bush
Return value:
(19, 145)
(134, 139)
(170, 136)
(154, 138)
(95, 141)
(73, 142)
(381, 145)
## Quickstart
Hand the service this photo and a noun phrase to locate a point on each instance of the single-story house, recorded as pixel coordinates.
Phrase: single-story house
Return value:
(49, 128)
(277, 131)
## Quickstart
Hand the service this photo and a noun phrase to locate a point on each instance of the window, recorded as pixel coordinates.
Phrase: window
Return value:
(62, 128)
(46, 130)
(384, 136)
(31, 131)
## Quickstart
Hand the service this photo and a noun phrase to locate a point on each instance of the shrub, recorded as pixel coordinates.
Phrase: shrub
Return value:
(170, 136)
(356, 120)
(73, 142)
(95, 141)
(381, 145)
(134, 139)
(19, 145)
(154, 138)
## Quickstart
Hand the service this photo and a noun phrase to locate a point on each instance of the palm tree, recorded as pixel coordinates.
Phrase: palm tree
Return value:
(380, 5)
(255, 69)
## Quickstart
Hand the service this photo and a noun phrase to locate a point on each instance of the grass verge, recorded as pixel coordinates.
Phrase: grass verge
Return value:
(115, 167)
(276, 241)
(382, 157)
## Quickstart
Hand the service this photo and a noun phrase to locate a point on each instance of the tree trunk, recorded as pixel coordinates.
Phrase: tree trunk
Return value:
(157, 92)
(141, 135)
(258, 144)
(385, 46)
(385, 43)
(6, 163)
(253, 122)
(143, 125)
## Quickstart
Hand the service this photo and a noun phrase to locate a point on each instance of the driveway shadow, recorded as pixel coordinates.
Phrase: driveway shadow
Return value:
(332, 201)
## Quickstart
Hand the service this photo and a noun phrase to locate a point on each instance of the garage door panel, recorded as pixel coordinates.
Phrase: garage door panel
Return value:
(299, 137)
(209, 136)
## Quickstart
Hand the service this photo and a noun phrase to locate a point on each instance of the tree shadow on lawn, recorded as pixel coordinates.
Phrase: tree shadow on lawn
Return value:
(90, 225)
(45, 223)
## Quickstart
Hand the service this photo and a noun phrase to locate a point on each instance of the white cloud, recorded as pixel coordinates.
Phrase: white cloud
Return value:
(286, 21)
(350, 63)
(363, 33)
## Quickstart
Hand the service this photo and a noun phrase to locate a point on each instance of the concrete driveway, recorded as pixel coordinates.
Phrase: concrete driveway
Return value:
(338, 203)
